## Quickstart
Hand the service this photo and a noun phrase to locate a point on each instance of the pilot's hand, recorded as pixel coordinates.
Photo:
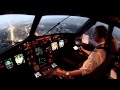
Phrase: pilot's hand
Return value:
(59, 72)
(81, 48)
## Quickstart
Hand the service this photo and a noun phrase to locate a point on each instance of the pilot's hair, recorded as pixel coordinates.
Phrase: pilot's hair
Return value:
(101, 31)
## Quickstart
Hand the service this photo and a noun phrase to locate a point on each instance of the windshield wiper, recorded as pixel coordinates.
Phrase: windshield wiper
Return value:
(56, 25)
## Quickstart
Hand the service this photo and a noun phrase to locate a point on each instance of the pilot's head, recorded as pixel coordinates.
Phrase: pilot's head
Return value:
(100, 33)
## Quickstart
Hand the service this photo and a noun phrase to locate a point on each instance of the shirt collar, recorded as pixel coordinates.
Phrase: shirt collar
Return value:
(100, 43)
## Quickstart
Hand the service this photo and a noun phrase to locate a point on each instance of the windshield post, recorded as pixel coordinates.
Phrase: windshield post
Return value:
(35, 24)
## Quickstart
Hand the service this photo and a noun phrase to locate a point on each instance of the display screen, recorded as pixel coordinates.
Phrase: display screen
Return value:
(75, 47)
(42, 61)
(54, 65)
(54, 45)
(19, 59)
(61, 43)
(9, 63)
(38, 51)
(37, 74)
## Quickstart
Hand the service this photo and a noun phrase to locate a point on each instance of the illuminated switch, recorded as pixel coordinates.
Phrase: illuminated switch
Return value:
(36, 67)
(50, 60)
(29, 63)
(1, 65)
(28, 59)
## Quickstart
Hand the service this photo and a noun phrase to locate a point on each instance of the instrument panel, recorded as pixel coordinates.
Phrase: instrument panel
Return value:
(38, 53)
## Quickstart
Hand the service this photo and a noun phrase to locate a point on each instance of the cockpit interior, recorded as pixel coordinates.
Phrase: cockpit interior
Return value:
(32, 46)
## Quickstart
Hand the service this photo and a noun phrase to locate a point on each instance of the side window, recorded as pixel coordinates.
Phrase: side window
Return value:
(90, 32)
(116, 34)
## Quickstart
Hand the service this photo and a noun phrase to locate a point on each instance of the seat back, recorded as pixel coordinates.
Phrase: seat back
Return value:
(113, 46)
(103, 70)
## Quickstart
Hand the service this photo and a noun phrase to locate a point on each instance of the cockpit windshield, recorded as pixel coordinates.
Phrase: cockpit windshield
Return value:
(61, 24)
(14, 28)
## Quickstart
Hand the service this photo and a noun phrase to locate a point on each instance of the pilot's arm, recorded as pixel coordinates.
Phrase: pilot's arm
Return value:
(60, 72)
(86, 51)
(93, 61)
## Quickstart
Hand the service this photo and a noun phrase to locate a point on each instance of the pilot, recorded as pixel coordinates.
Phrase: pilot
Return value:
(112, 49)
(95, 58)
